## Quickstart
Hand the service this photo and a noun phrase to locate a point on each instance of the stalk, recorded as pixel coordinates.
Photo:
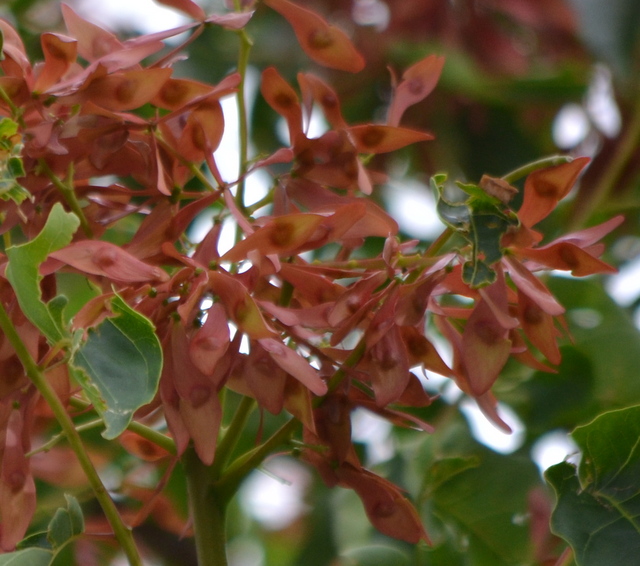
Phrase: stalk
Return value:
(208, 512)
(243, 124)
(121, 531)
(69, 195)
(525, 170)
(231, 436)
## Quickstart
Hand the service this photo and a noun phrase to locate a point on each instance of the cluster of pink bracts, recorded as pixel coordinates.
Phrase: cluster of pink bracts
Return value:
(78, 121)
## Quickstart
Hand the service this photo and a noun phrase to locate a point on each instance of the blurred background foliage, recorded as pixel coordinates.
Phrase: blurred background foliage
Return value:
(523, 79)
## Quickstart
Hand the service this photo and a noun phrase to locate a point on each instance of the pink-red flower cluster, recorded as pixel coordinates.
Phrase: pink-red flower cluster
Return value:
(317, 339)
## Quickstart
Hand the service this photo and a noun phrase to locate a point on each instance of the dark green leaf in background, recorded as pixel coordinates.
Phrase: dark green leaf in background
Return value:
(27, 557)
(598, 510)
(488, 503)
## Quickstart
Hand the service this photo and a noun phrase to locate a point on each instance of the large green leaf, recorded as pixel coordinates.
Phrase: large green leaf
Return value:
(548, 401)
(602, 330)
(598, 510)
(487, 504)
(22, 271)
(119, 366)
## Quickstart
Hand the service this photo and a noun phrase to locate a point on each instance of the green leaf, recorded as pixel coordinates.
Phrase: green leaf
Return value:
(487, 229)
(601, 330)
(119, 366)
(10, 190)
(477, 273)
(548, 401)
(41, 549)
(488, 506)
(35, 540)
(597, 511)
(8, 127)
(66, 523)
(446, 468)
(28, 557)
(482, 220)
(24, 262)
(455, 215)
(377, 555)
(15, 168)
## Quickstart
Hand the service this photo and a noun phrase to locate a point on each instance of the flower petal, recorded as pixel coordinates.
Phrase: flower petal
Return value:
(376, 138)
(485, 348)
(545, 187)
(108, 260)
(324, 43)
(417, 83)
(294, 364)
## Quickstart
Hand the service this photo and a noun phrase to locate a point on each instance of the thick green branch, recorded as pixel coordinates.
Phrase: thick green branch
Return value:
(208, 512)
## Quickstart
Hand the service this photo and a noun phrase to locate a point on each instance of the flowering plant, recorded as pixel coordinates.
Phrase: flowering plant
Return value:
(176, 342)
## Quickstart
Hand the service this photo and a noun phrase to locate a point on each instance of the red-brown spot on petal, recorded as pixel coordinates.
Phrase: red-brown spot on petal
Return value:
(199, 395)
(284, 100)
(415, 86)
(329, 100)
(488, 332)
(384, 509)
(198, 137)
(173, 92)
(533, 314)
(545, 189)
(16, 480)
(568, 255)
(282, 233)
(105, 257)
(126, 90)
(372, 137)
(320, 39)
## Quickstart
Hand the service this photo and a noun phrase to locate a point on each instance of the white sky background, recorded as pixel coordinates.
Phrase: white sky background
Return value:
(411, 204)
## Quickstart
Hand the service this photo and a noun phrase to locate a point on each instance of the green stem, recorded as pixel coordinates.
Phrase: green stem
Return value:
(61, 436)
(243, 124)
(122, 532)
(439, 242)
(165, 442)
(525, 170)
(245, 464)
(231, 436)
(69, 195)
(208, 512)
(16, 112)
(351, 361)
